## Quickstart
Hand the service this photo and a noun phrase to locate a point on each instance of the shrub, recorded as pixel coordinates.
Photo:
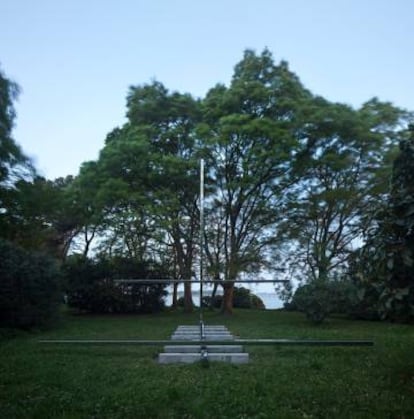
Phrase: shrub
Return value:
(313, 299)
(180, 302)
(242, 298)
(257, 302)
(319, 299)
(91, 286)
(215, 302)
(29, 288)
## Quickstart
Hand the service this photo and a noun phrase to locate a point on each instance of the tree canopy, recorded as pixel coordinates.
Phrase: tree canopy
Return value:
(290, 176)
(293, 182)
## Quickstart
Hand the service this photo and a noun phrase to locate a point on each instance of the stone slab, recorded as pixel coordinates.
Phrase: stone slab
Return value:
(197, 349)
(206, 332)
(197, 337)
(188, 354)
(192, 332)
(205, 327)
(189, 358)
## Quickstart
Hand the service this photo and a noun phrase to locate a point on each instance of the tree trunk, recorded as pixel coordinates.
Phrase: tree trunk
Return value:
(214, 292)
(227, 305)
(323, 270)
(175, 295)
(184, 265)
(188, 298)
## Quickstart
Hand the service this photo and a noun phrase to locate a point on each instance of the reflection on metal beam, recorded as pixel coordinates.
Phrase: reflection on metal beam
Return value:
(196, 281)
(252, 342)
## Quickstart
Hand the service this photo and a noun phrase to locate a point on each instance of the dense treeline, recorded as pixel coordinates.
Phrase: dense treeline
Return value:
(91, 285)
(29, 279)
(29, 294)
(293, 182)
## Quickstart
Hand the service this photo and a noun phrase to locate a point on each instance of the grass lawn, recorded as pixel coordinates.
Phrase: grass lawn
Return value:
(41, 381)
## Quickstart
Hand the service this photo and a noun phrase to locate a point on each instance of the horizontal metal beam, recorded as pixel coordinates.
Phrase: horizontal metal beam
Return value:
(196, 281)
(252, 342)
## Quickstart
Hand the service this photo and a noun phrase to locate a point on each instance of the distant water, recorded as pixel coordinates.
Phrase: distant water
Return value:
(270, 299)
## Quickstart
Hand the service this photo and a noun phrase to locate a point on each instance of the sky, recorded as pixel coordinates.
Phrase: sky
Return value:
(75, 60)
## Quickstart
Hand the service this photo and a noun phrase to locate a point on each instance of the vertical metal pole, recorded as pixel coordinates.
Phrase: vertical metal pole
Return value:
(201, 245)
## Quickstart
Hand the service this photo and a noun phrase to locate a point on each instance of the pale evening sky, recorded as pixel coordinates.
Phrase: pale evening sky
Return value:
(74, 60)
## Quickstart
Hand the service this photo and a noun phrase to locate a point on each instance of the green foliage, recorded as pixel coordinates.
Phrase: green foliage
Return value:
(314, 300)
(39, 216)
(29, 287)
(319, 299)
(14, 165)
(142, 192)
(91, 286)
(242, 298)
(180, 301)
(288, 172)
(364, 266)
(384, 267)
(250, 141)
(257, 302)
(87, 286)
(13, 162)
(341, 174)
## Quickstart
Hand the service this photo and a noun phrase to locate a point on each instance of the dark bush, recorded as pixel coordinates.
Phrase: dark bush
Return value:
(257, 302)
(91, 285)
(314, 300)
(29, 287)
(319, 299)
(215, 302)
(180, 302)
(367, 303)
(242, 298)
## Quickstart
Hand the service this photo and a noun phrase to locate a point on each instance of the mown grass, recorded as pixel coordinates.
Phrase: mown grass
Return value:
(41, 381)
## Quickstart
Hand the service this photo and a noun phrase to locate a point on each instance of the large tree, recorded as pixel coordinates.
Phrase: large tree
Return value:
(11, 155)
(342, 177)
(168, 120)
(251, 129)
(383, 268)
(41, 216)
(14, 165)
(147, 188)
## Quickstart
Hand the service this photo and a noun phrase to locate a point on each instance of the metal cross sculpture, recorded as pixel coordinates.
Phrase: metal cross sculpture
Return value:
(202, 340)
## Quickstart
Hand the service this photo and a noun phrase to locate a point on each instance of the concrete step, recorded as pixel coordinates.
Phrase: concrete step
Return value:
(189, 358)
(197, 337)
(194, 328)
(206, 331)
(207, 326)
(197, 331)
(206, 334)
(197, 349)
(192, 353)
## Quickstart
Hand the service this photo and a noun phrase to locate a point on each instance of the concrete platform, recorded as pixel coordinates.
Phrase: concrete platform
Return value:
(206, 332)
(188, 354)
(197, 349)
(189, 358)
(196, 328)
(187, 336)
(193, 333)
